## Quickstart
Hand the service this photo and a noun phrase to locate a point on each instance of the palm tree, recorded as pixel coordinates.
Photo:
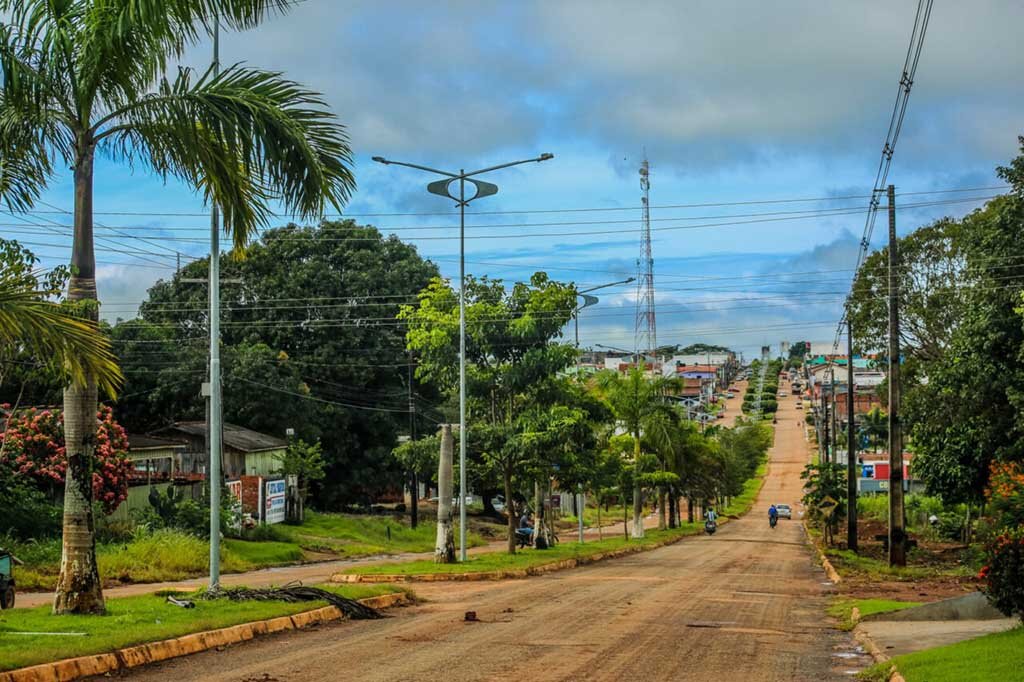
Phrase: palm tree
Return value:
(46, 330)
(876, 426)
(634, 400)
(88, 76)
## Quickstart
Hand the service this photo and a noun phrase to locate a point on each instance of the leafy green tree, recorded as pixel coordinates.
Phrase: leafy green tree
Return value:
(875, 425)
(305, 461)
(84, 76)
(309, 343)
(933, 299)
(513, 361)
(967, 415)
(635, 401)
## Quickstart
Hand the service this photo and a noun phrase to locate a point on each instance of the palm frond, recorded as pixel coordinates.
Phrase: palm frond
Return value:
(50, 332)
(246, 137)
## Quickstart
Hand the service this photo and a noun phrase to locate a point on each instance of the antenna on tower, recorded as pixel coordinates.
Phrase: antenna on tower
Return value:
(645, 337)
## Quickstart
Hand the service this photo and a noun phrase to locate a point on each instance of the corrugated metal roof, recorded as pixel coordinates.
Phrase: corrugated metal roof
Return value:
(237, 437)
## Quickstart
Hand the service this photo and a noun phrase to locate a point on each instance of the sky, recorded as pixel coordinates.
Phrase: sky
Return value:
(763, 125)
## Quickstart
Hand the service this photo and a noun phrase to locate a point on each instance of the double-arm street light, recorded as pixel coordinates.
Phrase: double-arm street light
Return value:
(483, 189)
(587, 302)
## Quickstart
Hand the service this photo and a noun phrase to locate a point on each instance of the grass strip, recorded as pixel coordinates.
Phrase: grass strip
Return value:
(998, 656)
(842, 609)
(529, 558)
(137, 620)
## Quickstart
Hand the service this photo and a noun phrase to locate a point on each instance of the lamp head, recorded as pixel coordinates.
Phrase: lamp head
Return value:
(545, 157)
(381, 159)
(631, 279)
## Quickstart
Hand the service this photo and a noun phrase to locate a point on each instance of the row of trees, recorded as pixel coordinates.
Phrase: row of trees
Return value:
(962, 339)
(531, 422)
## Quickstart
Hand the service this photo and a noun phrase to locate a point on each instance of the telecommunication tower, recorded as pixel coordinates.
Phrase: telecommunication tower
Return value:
(645, 334)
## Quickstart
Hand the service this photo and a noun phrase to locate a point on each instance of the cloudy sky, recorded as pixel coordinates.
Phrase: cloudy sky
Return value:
(731, 102)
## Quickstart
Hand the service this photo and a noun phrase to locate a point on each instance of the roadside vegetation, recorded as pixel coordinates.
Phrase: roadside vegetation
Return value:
(137, 620)
(502, 561)
(842, 609)
(998, 656)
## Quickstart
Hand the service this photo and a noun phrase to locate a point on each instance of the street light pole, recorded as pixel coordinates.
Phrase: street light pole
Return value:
(483, 189)
(587, 302)
(214, 473)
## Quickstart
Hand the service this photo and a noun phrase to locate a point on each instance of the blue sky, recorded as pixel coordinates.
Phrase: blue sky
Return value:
(731, 102)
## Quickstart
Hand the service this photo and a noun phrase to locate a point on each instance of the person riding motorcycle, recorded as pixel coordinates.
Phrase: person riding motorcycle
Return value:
(773, 516)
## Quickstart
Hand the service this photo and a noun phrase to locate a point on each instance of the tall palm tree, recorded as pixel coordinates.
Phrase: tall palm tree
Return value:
(88, 76)
(634, 399)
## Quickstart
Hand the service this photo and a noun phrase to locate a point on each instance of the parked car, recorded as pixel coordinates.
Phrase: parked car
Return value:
(783, 394)
(784, 511)
(799, 405)
(498, 502)
(730, 395)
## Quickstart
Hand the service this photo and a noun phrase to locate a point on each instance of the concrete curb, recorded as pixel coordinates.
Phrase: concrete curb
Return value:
(872, 648)
(830, 570)
(143, 654)
(511, 574)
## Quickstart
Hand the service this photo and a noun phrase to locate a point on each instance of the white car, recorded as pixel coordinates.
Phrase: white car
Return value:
(784, 511)
(783, 394)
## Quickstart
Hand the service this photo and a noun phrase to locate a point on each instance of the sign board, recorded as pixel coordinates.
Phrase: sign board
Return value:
(235, 488)
(274, 500)
(828, 505)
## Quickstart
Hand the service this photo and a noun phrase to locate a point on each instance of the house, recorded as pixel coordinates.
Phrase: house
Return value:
(245, 452)
(156, 465)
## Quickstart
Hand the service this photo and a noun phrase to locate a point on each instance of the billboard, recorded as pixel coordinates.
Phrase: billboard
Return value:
(274, 501)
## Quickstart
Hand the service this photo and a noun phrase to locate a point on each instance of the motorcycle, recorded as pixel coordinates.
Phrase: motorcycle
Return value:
(710, 527)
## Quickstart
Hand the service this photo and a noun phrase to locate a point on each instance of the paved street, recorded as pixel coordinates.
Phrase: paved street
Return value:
(747, 604)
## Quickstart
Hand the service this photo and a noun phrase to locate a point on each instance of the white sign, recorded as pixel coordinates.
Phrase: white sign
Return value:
(275, 502)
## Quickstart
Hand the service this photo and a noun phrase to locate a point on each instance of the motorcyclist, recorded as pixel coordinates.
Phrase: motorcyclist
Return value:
(711, 517)
(526, 525)
(773, 515)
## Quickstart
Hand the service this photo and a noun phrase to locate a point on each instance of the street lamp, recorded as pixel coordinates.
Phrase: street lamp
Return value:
(483, 189)
(587, 302)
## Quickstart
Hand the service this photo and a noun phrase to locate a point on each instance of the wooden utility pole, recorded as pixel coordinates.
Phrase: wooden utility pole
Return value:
(897, 515)
(414, 482)
(851, 446)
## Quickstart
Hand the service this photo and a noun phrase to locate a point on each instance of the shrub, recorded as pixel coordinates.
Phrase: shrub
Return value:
(1003, 573)
(1006, 493)
(27, 512)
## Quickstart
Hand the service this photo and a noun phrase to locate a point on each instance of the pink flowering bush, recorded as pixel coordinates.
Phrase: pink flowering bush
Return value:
(34, 449)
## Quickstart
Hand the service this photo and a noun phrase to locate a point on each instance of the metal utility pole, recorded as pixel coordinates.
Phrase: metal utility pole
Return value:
(215, 423)
(483, 189)
(646, 331)
(897, 513)
(824, 425)
(851, 447)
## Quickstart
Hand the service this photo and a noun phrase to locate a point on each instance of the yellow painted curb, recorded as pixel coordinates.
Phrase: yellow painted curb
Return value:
(880, 656)
(143, 654)
(830, 570)
(510, 574)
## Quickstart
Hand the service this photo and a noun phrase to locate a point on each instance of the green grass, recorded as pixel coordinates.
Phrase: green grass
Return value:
(529, 558)
(350, 536)
(167, 554)
(135, 620)
(612, 515)
(843, 609)
(993, 658)
(877, 569)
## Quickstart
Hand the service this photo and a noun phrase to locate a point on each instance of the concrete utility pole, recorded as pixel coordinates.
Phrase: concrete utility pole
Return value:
(835, 421)
(414, 491)
(897, 513)
(851, 447)
(213, 476)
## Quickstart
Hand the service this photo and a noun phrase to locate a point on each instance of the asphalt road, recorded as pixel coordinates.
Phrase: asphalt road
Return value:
(746, 604)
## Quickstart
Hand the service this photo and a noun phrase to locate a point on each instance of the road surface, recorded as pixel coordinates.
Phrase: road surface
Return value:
(747, 604)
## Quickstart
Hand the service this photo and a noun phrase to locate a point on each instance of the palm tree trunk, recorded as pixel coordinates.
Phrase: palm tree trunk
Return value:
(661, 508)
(444, 546)
(510, 511)
(638, 520)
(78, 586)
